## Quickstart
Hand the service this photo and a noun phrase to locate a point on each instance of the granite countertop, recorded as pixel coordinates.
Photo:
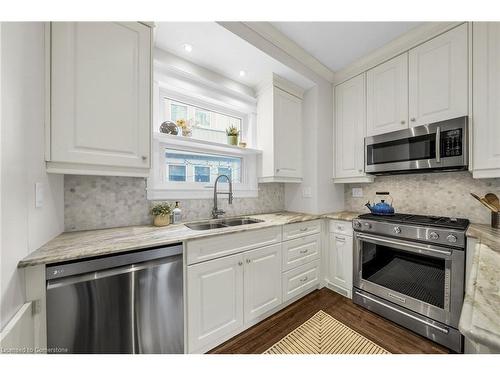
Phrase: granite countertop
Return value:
(77, 245)
(480, 318)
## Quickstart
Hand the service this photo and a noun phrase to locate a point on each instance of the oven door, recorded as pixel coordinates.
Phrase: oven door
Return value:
(441, 145)
(424, 278)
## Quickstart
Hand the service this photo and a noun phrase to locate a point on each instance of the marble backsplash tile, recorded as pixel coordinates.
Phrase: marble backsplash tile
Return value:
(440, 194)
(97, 202)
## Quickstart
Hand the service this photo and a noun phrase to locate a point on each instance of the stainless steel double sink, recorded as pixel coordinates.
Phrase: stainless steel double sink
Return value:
(222, 223)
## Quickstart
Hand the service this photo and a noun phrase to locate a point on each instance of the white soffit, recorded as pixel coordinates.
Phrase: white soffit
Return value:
(223, 52)
(337, 44)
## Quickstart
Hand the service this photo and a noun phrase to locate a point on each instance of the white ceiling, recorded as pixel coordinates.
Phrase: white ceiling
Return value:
(336, 44)
(223, 52)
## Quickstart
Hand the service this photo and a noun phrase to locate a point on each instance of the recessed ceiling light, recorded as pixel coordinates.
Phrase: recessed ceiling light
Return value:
(187, 47)
(242, 73)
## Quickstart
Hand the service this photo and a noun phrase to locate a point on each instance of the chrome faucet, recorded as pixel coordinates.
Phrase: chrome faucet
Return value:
(215, 211)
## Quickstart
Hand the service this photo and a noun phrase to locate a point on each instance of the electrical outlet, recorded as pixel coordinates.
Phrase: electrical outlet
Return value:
(38, 194)
(357, 192)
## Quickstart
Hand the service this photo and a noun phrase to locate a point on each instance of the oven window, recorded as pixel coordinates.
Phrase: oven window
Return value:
(416, 276)
(414, 148)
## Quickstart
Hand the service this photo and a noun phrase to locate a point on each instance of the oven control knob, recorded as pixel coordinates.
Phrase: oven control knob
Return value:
(452, 238)
(367, 225)
(397, 230)
(433, 236)
(356, 224)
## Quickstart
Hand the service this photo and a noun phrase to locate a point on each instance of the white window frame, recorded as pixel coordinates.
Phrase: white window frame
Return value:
(159, 187)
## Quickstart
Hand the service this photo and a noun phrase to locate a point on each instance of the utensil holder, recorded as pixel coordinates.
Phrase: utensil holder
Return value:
(495, 220)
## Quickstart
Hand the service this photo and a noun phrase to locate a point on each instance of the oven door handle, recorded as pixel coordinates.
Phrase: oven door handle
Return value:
(428, 249)
(423, 321)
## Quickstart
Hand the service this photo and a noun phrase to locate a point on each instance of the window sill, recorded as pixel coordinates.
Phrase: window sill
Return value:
(174, 140)
(201, 193)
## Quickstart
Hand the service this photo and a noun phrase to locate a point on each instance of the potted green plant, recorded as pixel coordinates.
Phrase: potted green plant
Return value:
(161, 212)
(232, 135)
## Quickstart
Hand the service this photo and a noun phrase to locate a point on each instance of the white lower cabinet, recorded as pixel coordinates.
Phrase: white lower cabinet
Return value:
(262, 281)
(300, 279)
(340, 263)
(214, 300)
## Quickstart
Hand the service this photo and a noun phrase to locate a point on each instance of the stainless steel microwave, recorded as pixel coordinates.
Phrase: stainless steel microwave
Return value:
(439, 146)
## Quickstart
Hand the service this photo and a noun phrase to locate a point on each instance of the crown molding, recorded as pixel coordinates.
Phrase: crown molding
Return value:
(403, 43)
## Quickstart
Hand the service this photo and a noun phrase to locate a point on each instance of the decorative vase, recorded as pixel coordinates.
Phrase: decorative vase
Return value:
(161, 220)
(169, 127)
(232, 140)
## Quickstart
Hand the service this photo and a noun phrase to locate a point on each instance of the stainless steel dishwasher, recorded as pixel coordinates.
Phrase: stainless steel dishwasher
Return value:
(128, 303)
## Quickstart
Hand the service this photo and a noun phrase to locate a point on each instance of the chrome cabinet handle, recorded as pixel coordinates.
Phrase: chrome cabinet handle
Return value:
(303, 229)
(304, 279)
(438, 144)
(304, 251)
(240, 263)
(413, 119)
(144, 158)
(342, 239)
(248, 260)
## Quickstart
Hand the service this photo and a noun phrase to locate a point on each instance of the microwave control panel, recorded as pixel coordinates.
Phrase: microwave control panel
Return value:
(451, 143)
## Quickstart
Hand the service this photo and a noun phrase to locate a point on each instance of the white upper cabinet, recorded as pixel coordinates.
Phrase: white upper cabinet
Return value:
(486, 100)
(279, 131)
(387, 96)
(100, 98)
(350, 130)
(438, 78)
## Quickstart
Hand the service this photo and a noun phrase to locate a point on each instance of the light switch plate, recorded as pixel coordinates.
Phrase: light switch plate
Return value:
(306, 192)
(357, 192)
(38, 194)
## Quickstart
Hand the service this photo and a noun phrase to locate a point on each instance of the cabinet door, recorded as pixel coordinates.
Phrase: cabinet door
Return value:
(262, 281)
(287, 134)
(387, 96)
(350, 127)
(101, 93)
(438, 75)
(214, 301)
(486, 100)
(340, 261)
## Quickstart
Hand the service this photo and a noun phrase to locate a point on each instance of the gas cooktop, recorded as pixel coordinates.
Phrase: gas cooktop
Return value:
(435, 221)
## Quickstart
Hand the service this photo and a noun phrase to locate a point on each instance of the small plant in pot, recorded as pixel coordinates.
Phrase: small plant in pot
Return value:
(161, 212)
(232, 135)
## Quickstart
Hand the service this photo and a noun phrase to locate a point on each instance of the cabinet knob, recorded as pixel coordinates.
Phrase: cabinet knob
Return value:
(360, 170)
(240, 263)
(248, 260)
(277, 170)
(403, 122)
(304, 279)
(413, 119)
(144, 158)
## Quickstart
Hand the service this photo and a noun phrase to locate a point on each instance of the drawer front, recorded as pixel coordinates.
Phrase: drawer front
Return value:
(297, 230)
(300, 251)
(300, 279)
(341, 227)
(200, 250)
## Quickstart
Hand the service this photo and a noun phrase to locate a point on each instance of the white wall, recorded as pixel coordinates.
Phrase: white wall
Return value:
(24, 228)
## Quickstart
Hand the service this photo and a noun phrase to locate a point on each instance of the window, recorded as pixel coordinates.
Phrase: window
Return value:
(206, 124)
(176, 172)
(198, 167)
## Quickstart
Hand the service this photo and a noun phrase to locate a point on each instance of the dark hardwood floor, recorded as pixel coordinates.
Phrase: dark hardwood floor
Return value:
(388, 335)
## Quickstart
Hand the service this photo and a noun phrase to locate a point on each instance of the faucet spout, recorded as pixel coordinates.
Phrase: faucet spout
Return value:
(216, 211)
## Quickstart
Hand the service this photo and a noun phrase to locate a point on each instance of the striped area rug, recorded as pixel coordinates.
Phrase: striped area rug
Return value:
(323, 334)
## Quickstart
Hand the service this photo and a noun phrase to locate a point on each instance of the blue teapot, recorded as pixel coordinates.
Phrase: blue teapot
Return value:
(382, 207)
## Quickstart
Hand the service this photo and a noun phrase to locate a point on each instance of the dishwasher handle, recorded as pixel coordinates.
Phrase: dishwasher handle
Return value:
(81, 267)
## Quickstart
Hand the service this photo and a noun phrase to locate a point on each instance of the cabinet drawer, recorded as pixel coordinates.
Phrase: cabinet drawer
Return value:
(296, 230)
(200, 250)
(300, 279)
(341, 227)
(300, 251)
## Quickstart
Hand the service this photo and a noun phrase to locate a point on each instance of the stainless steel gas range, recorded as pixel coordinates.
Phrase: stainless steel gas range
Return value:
(411, 269)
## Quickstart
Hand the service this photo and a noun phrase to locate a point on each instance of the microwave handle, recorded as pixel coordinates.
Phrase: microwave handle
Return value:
(438, 144)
